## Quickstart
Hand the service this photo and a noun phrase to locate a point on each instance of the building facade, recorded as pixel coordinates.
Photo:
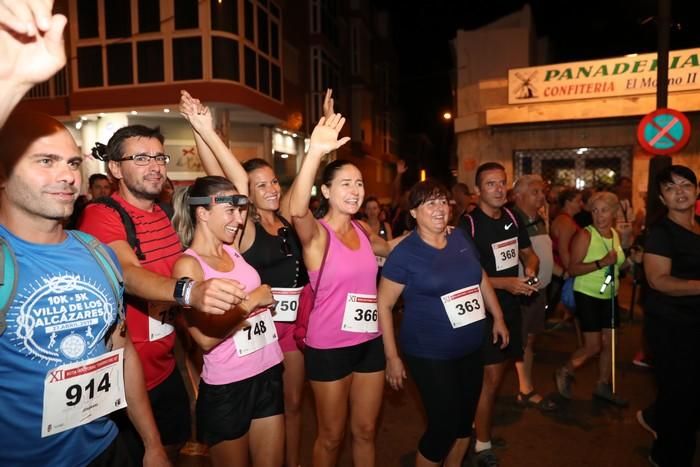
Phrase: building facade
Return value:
(573, 123)
(261, 65)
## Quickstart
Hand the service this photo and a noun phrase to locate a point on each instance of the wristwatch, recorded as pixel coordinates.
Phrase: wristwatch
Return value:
(182, 287)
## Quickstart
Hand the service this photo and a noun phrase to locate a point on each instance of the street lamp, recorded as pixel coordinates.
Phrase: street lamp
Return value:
(447, 116)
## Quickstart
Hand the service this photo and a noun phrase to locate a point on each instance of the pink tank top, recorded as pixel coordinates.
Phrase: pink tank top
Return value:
(345, 271)
(222, 364)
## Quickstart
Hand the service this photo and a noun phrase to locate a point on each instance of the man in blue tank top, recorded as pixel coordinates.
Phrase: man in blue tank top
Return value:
(66, 360)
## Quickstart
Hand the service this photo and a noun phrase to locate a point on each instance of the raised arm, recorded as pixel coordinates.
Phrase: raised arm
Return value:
(324, 139)
(31, 47)
(216, 157)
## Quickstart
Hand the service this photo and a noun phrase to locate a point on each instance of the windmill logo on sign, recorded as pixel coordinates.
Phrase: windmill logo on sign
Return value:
(526, 90)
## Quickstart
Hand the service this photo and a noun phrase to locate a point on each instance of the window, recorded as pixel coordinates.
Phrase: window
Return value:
(224, 15)
(149, 16)
(262, 70)
(325, 74)
(90, 66)
(264, 75)
(263, 39)
(88, 22)
(120, 69)
(329, 23)
(186, 14)
(251, 78)
(276, 81)
(225, 59)
(150, 61)
(274, 40)
(118, 19)
(187, 58)
(249, 15)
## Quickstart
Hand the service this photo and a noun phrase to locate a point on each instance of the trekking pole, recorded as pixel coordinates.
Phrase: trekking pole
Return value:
(612, 322)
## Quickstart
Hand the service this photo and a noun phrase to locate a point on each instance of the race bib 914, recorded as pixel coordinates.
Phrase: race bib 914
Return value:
(78, 393)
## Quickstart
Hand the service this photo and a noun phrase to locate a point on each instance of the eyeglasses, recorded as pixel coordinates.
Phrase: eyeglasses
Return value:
(145, 159)
(238, 201)
(283, 234)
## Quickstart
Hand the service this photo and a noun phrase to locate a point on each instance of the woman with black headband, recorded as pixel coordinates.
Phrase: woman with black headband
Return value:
(240, 404)
(271, 246)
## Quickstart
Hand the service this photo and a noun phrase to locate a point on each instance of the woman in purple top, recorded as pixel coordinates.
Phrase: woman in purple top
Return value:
(344, 355)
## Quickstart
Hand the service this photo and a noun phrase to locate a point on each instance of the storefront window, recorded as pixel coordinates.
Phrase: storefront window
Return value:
(585, 167)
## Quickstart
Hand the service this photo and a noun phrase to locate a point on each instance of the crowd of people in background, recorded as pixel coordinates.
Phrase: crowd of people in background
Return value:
(257, 282)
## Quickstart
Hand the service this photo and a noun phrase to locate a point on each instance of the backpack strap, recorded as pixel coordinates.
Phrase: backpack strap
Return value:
(471, 223)
(106, 263)
(362, 228)
(129, 228)
(8, 281)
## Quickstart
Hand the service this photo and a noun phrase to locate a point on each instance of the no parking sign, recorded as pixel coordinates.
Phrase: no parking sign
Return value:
(663, 131)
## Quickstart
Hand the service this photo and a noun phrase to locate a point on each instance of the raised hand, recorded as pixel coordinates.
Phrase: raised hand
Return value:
(195, 112)
(401, 167)
(31, 42)
(26, 17)
(328, 111)
(324, 138)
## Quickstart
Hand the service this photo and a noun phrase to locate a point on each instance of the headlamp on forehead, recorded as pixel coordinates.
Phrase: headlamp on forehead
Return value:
(238, 201)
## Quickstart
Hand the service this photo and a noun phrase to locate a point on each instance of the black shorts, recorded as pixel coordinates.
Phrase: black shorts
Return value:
(171, 410)
(594, 314)
(335, 364)
(492, 353)
(225, 411)
(533, 309)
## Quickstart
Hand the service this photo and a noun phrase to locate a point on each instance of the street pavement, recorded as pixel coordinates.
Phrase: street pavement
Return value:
(583, 432)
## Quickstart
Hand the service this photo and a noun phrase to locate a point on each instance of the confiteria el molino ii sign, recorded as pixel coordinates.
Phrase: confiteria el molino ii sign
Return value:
(622, 76)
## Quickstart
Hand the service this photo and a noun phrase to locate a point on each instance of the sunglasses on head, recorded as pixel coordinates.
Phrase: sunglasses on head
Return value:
(238, 201)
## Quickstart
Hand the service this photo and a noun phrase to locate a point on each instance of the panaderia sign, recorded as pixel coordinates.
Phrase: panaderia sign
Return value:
(622, 76)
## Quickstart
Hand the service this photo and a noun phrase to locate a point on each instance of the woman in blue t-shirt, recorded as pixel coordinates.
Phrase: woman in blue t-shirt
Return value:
(446, 296)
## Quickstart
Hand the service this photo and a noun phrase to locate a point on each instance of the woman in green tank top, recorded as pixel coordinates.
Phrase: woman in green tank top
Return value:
(596, 257)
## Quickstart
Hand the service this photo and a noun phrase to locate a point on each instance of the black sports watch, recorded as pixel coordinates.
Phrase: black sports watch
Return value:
(180, 294)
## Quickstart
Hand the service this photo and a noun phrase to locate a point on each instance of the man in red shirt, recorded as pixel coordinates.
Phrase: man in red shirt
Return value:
(137, 160)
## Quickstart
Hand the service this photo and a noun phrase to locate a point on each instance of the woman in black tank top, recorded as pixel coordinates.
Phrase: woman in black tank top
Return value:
(269, 244)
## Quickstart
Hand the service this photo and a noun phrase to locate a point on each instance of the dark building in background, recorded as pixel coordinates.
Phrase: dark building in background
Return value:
(262, 66)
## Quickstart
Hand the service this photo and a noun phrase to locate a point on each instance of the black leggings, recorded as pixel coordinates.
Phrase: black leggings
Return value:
(676, 352)
(449, 390)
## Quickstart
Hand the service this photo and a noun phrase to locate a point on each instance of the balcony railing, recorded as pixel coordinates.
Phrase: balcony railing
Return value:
(56, 86)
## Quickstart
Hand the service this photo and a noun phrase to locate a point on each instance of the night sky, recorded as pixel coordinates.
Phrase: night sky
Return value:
(583, 30)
